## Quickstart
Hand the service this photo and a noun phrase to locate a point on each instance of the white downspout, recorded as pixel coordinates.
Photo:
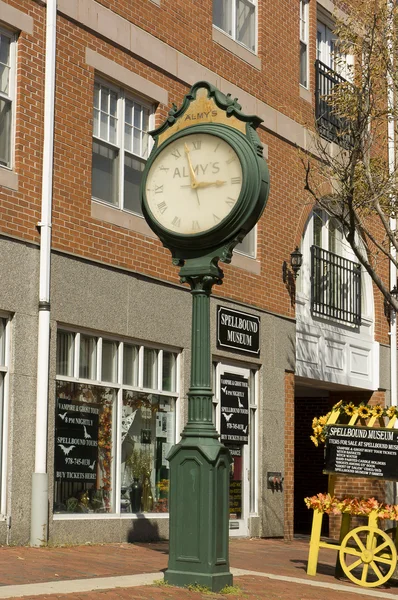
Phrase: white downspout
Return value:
(39, 514)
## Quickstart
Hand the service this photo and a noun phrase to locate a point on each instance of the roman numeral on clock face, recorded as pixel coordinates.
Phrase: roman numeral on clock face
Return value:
(230, 201)
(176, 222)
(158, 189)
(176, 153)
(162, 207)
(236, 179)
(195, 225)
(197, 145)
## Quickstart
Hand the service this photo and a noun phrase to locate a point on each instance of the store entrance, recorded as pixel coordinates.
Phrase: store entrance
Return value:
(232, 410)
(309, 479)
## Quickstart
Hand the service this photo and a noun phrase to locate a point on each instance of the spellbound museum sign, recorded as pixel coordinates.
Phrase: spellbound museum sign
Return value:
(237, 330)
(362, 451)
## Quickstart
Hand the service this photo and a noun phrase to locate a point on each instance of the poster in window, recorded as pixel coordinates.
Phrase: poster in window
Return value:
(234, 396)
(76, 441)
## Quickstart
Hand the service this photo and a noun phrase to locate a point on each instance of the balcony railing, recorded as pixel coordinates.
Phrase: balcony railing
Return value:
(330, 126)
(335, 286)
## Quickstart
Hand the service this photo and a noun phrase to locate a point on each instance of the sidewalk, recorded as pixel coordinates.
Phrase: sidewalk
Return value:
(263, 569)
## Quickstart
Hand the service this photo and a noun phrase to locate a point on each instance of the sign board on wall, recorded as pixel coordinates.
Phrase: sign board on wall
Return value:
(362, 451)
(234, 397)
(76, 441)
(238, 331)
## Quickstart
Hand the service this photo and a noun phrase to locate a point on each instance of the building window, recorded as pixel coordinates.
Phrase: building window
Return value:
(115, 419)
(304, 43)
(335, 280)
(7, 94)
(237, 18)
(120, 146)
(248, 244)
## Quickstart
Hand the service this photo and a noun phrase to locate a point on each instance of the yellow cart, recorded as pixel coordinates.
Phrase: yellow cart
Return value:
(367, 555)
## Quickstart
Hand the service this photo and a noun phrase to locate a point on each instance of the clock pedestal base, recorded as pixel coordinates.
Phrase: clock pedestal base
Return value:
(199, 514)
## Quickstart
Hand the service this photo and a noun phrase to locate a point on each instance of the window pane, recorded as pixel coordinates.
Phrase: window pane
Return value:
(303, 64)
(150, 368)
(104, 174)
(130, 365)
(84, 440)
(65, 353)
(148, 433)
(317, 225)
(105, 113)
(222, 15)
(88, 357)
(169, 372)
(2, 342)
(5, 132)
(5, 45)
(137, 116)
(247, 246)
(245, 23)
(133, 168)
(109, 361)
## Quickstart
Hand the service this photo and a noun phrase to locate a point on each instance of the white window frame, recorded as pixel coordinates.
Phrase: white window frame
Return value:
(122, 96)
(304, 37)
(4, 411)
(232, 33)
(10, 97)
(119, 386)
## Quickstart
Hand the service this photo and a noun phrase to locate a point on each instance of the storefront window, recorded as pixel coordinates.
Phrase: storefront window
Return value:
(148, 433)
(89, 458)
(83, 450)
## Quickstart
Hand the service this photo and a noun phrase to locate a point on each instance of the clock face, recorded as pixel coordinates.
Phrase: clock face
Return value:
(194, 183)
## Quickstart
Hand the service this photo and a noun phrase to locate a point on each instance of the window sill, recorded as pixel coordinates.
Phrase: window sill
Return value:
(305, 94)
(8, 179)
(121, 218)
(241, 261)
(221, 38)
(96, 516)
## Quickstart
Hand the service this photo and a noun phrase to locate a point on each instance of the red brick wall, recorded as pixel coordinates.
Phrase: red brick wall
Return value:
(288, 483)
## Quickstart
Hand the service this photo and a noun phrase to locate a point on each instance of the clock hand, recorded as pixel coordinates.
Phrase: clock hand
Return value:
(191, 171)
(202, 184)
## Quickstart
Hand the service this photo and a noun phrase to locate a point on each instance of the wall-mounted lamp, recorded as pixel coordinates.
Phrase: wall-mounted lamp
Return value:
(394, 292)
(296, 260)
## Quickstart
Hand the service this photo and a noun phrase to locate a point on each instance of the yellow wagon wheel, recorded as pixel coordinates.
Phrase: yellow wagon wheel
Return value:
(373, 550)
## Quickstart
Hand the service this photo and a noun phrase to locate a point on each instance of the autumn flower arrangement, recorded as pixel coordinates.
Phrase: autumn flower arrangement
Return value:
(328, 504)
(364, 412)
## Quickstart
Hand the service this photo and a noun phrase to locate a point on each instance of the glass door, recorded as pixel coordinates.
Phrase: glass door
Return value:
(232, 414)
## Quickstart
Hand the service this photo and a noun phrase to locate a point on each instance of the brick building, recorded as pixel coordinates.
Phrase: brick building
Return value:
(95, 326)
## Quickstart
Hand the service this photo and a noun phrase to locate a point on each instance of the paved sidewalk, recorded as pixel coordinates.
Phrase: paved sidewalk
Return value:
(263, 570)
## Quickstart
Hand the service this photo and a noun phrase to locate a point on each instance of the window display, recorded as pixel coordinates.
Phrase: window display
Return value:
(148, 433)
(83, 448)
(105, 435)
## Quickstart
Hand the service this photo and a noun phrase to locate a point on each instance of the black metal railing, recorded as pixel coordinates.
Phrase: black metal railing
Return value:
(330, 126)
(335, 286)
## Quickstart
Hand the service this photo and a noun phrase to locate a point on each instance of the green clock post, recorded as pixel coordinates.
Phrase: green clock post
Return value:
(204, 187)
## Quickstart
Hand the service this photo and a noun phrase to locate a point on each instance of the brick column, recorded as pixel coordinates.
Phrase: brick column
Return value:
(288, 484)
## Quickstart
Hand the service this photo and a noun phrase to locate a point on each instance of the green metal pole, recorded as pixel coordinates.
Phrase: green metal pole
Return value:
(199, 468)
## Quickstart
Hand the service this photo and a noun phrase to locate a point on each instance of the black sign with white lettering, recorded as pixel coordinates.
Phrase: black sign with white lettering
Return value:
(238, 331)
(234, 398)
(362, 451)
(76, 441)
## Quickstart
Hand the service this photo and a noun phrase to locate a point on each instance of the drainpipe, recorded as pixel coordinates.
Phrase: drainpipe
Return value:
(40, 501)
